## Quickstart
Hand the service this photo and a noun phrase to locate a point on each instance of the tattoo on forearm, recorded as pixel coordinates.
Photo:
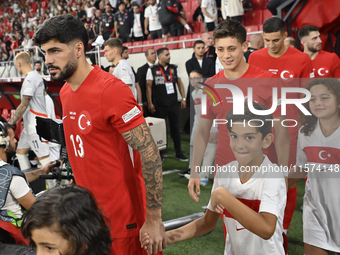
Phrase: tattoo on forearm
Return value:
(141, 140)
(20, 110)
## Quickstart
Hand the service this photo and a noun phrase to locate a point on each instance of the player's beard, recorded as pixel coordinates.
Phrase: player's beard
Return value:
(312, 49)
(68, 70)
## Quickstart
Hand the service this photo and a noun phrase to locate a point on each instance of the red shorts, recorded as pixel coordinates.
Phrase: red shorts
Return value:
(128, 246)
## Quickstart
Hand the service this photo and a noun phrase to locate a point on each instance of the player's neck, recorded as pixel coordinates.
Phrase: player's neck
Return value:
(163, 64)
(3, 155)
(311, 54)
(279, 53)
(328, 126)
(237, 72)
(116, 60)
(83, 70)
(26, 70)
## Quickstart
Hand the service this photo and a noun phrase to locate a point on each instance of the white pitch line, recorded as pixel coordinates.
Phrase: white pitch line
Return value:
(170, 171)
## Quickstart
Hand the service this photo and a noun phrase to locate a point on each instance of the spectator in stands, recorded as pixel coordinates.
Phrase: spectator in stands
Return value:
(325, 64)
(291, 42)
(162, 95)
(4, 57)
(256, 43)
(81, 14)
(14, 43)
(97, 24)
(123, 24)
(38, 68)
(128, 6)
(210, 51)
(232, 9)
(102, 6)
(151, 22)
(108, 23)
(27, 42)
(151, 57)
(209, 9)
(19, 38)
(89, 9)
(198, 15)
(90, 34)
(168, 14)
(138, 24)
(125, 53)
(176, 28)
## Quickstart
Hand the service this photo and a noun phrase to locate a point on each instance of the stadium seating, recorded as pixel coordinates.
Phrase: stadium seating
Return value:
(253, 18)
(146, 43)
(187, 44)
(173, 45)
(259, 4)
(139, 49)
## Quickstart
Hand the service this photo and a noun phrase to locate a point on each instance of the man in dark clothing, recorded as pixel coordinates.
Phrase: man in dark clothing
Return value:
(81, 14)
(210, 51)
(177, 29)
(151, 57)
(97, 24)
(123, 24)
(256, 43)
(108, 19)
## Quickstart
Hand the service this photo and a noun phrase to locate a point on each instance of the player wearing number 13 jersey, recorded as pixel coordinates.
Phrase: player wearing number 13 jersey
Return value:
(101, 118)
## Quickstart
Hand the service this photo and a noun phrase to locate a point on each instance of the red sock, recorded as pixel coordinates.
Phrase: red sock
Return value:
(290, 207)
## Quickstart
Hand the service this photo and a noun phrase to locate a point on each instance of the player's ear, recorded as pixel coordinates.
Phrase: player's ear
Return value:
(285, 34)
(245, 46)
(267, 140)
(79, 49)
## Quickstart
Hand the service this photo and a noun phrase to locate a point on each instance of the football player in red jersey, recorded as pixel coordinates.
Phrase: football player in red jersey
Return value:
(230, 42)
(325, 64)
(109, 144)
(288, 64)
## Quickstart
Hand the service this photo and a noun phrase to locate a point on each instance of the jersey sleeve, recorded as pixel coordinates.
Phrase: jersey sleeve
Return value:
(28, 87)
(18, 187)
(204, 4)
(274, 195)
(307, 69)
(301, 157)
(120, 108)
(149, 76)
(147, 13)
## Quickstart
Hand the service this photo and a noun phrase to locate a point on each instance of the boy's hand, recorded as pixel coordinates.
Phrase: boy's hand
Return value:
(219, 208)
(194, 182)
(145, 241)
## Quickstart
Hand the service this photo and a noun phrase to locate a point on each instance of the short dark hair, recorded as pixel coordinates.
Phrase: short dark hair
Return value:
(73, 213)
(147, 51)
(197, 71)
(125, 48)
(63, 28)
(160, 51)
(37, 62)
(265, 129)
(120, 3)
(305, 31)
(198, 42)
(135, 4)
(230, 28)
(114, 43)
(274, 24)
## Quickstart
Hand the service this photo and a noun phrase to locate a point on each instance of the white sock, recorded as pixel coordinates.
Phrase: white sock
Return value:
(23, 162)
(208, 159)
(191, 153)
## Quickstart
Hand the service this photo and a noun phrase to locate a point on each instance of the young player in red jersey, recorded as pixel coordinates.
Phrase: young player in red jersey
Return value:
(230, 43)
(290, 65)
(325, 64)
(101, 119)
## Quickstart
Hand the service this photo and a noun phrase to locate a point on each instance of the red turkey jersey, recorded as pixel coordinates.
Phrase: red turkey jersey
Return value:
(326, 65)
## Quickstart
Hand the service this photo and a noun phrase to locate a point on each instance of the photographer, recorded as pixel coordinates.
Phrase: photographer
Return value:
(15, 193)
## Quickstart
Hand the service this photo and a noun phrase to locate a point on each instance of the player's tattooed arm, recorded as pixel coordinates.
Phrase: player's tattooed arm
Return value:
(141, 140)
(20, 110)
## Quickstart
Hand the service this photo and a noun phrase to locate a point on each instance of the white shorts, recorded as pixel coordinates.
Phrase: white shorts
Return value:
(33, 142)
(54, 152)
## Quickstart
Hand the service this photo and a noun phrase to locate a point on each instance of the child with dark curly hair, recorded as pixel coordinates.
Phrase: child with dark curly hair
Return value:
(318, 158)
(66, 221)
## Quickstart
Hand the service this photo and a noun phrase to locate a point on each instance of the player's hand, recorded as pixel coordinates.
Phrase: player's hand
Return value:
(199, 18)
(219, 208)
(152, 108)
(154, 227)
(146, 32)
(183, 104)
(214, 19)
(194, 182)
(117, 35)
(47, 168)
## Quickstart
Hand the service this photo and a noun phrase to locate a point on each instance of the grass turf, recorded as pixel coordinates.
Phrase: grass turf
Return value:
(178, 203)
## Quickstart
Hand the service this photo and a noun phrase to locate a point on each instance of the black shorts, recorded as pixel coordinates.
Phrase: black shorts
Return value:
(210, 26)
(156, 34)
